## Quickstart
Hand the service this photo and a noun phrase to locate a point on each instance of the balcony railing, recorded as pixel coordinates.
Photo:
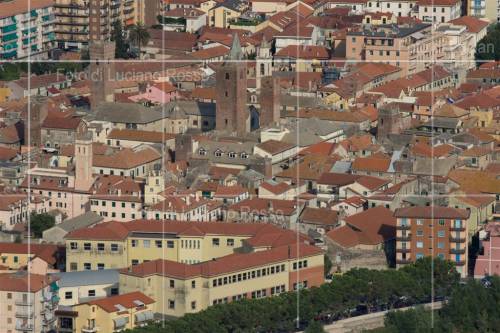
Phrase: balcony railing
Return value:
(24, 326)
(460, 263)
(403, 261)
(24, 314)
(24, 302)
(87, 329)
(404, 238)
(403, 250)
(455, 239)
(457, 228)
(457, 251)
(403, 227)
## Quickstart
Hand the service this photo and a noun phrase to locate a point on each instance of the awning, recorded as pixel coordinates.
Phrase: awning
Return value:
(120, 322)
(140, 317)
(144, 316)
(149, 315)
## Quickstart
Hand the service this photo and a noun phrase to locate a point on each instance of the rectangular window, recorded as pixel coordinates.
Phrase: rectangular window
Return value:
(420, 222)
(158, 243)
(87, 246)
(133, 242)
(100, 266)
(100, 246)
(441, 233)
(91, 293)
(440, 245)
(114, 247)
(420, 233)
(87, 266)
(73, 245)
(193, 284)
(420, 245)
(230, 242)
(170, 244)
(441, 221)
(171, 304)
(68, 295)
(193, 305)
(172, 283)
(215, 242)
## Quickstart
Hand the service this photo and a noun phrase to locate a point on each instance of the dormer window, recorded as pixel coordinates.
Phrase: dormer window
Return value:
(232, 154)
(218, 153)
(202, 152)
(244, 155)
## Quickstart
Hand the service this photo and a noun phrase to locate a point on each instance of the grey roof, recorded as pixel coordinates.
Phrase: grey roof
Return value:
(189, 108)
(251, 175)
(88, 278)
(235, 52)
(310, 131)
(127, 113)
(435, 167)
(440, 122)
(299, 101)
(81, 221)
(390, 30)
(341, 167)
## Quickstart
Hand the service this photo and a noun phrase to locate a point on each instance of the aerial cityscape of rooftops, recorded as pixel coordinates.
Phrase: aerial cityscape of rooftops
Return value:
(173, 166)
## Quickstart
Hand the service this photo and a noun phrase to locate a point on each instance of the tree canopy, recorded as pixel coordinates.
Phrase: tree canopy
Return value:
(488, 48)
(41, 222)
(472, 308)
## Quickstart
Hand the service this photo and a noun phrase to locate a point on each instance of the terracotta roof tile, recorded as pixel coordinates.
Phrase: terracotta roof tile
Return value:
(108, 304)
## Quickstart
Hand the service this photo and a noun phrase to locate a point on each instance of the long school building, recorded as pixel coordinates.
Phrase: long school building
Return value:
(180, 288)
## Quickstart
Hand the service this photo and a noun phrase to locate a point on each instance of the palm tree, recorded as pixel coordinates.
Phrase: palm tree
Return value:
(139, 35)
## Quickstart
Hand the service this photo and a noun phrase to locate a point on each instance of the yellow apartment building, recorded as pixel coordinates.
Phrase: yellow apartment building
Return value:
(181, 288)
(111, 314)
(122, 244)
(18, 255)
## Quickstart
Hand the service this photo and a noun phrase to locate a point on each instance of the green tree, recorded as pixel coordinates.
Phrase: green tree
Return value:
(327, 265)
(488, 48)
(139, 35)
(121, 47)
(314, 327)
(41, 222)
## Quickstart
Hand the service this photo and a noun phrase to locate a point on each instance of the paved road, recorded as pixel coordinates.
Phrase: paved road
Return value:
(369, 321)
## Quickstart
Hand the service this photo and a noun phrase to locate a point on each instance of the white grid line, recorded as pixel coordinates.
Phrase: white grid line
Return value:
(433, 61)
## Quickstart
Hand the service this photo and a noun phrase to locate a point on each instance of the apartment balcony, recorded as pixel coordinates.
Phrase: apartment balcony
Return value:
(87, 329)
(24, 314)
(459, 229)
(455, 239)
(457, 251)
(403, 250)
(24, 302)
(403, 227)
(405, 238)
(460, 263)
(24, 326)
(403, 261)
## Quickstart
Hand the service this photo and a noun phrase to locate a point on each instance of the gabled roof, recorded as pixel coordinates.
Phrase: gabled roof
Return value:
(223, 265)
(128, 301)
(370, 227)
(434, 212)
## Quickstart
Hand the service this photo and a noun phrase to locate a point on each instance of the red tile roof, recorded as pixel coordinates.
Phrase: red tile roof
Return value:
(46, 252)
(434, 212)
(223, 265)
(473, 24)
(370, 227)
(24, 282)
(109, 304)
